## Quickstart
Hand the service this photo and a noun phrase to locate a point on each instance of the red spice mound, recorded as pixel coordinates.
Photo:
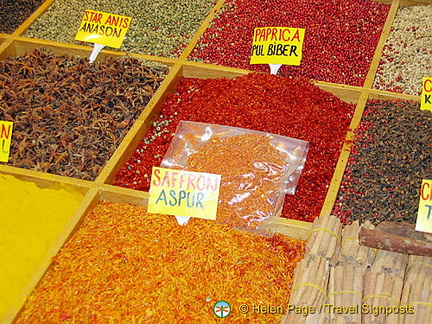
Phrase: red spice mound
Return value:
(127, 266)
(340, 36)
(285, 106)
(252, 171)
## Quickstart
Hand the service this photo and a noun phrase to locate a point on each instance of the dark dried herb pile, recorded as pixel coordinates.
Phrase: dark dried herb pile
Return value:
(14, 12)
(391, 154)
(69, 116)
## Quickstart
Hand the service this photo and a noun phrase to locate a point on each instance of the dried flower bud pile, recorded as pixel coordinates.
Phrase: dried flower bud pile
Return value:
(158, 27)
(14, 12)
(391, 155)
(289, 107)
(340, 37)
(69, 116)
(127, 266)
(407, 53)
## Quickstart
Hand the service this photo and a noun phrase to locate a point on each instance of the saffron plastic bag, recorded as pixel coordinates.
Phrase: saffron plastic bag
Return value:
(257, 169)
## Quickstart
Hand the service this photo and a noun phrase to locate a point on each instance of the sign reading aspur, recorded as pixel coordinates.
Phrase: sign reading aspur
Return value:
(424, 214)
(426, 96)
(277, 45)
(103, 28)
(184, 193)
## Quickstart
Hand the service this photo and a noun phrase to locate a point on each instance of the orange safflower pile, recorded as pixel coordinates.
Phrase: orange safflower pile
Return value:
(127, 266)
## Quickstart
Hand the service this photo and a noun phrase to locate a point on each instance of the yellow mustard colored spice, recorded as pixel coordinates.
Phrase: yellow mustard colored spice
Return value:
(31, 218)
(127, 266)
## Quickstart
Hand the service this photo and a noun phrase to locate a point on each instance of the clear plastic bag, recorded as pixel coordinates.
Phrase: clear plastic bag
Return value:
(257, 169)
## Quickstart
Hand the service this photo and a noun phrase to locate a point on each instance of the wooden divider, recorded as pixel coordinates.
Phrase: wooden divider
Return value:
(26, 24)
(378, 51)
(407, 3)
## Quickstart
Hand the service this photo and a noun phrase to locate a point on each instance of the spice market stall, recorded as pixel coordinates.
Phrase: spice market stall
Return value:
(93, 131)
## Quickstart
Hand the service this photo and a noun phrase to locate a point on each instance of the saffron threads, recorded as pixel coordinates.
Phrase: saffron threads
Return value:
(127, 266)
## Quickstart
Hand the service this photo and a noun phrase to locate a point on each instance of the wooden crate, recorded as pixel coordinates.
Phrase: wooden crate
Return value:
(101, 189)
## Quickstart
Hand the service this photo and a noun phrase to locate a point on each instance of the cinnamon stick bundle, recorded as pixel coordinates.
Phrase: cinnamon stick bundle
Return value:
(346, 278)
(383, 286)
(345, 294)
(324, 240)
(309, 290)
(312, 273)
(417, 291)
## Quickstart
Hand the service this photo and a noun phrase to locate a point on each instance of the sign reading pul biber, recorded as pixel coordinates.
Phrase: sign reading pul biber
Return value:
(424, 214)
(103, 28)
(426, 96)
(277, 45)
(184, 193)
(5, 140)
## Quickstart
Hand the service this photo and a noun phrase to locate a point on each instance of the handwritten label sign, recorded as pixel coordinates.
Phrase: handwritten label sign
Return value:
(5, 140)
(103, 28)
(184, 193)
(424, 214)
(426, 96)
(277, 45)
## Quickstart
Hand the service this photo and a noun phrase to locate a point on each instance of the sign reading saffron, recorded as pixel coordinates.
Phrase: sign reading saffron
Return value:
(424, 213)
(103, 28)
(5, 140)
(277, 45)
(426, 95)
(184, 193)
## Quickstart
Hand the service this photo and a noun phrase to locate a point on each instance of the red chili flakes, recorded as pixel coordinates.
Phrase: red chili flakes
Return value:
(279, 105)
(127, 266)
(340, 36)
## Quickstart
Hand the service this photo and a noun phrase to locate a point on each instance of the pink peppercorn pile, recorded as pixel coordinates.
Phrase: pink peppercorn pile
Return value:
(340, 36)
(286, 106)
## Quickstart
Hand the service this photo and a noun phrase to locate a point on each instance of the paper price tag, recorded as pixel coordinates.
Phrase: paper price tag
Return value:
(424, 214)
(426, 96)
(103, 28)
(184, 193)
(277, 45)
(5, 140)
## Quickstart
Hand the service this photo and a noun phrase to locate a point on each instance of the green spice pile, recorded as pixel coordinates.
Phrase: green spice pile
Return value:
(407, 53)
(127, 266)
(14, 12)
(69, 116)
(391, 154)
(158, 27)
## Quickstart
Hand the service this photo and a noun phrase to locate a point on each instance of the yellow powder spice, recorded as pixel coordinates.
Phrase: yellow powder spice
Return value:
(31, 218)
(125, 265)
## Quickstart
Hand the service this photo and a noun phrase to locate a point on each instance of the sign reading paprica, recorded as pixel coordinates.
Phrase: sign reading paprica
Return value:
(277, 45)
